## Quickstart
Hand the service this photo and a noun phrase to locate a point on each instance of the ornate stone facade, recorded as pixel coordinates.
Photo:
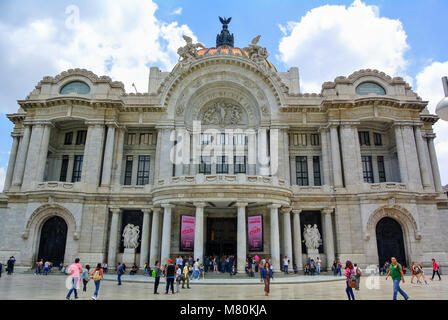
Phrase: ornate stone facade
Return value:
(337, 159)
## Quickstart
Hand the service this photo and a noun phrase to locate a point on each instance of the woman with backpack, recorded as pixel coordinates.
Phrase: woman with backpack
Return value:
(97, 276)
(350, 278)
(85, 278)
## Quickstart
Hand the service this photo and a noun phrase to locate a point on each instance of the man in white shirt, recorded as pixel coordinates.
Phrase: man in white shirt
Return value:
(285, 264)
(196, 270)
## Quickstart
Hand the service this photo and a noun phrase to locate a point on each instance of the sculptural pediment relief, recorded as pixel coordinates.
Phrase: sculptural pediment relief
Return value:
(223, 113)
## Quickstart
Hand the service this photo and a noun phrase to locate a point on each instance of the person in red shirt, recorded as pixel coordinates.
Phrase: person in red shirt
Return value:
(435, 269)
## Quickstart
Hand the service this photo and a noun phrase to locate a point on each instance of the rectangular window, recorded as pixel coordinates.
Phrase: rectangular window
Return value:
(143, 170)
(302, 171)
(64, 168)
(222, 165)
(68, 138)
(377, 139)
(315, 139)
(367, 169)
(77, 168)
(240, 139)
(364, 138)
(205, 139)
(239, 164)
(81, 137)
(381, 169)
(222, 139)
(205, 166)
(131, 138)
(128, 171)
(316, 171)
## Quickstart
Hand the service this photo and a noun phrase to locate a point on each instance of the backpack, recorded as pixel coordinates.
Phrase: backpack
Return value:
(96, 275)
(352, 281)
(154, 273)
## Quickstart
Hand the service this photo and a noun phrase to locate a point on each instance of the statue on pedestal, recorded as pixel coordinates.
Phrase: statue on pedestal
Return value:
(130, 236)
(312, 237)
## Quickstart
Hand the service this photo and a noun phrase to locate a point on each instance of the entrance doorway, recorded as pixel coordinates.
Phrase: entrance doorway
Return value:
(389, 237)
(221, 236)
(53, 238)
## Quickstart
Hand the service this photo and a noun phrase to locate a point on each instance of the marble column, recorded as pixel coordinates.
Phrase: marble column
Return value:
(328, 237)
(287, 238)
(118, 156)
(34, 155)
(114, 238)
(166, 233)
(93, 152)
(325, 157)
(11, 162)
(241, 237)
(411, 157)
(401, 154)
(297, 239)
(336, 157)
(251, 152)
(275, 236)
(199, 231)
(292, 166)
(179, 151)
(154, 250)
(422, 159)
(144, 248)
(165, 154)
(434, 164)
(21, 156)
(275, 153)
(43, 153)
(262, 155)
(108, 156)
(186, 141)
(351, 155)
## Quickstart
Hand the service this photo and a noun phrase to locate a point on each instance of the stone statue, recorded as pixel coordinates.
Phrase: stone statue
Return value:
(189, 52)
(312, 237)
(222, 113)
(224, 38)
(256, 53)
(130, 236)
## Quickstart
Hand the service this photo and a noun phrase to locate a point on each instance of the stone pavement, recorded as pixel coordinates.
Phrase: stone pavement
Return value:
(28, 286)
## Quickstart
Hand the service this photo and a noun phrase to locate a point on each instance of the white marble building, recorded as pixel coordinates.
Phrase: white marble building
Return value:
(223, 137)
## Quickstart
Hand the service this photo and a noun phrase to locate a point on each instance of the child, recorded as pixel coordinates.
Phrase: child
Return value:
(201, 269)
(294, 267)
(233, 270)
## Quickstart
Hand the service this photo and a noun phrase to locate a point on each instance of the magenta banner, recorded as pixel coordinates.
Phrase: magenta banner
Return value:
(255, 232)
(187, 233)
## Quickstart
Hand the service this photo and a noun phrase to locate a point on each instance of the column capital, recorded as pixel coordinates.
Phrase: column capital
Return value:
(297, 211)
(274, 206)
(241, 204)
(167, 205)
(112, 124)
(327, 211)
(286, 210)
(94, 123)
(156, 209)
(199, 204)
(146, 210)
(116, 210)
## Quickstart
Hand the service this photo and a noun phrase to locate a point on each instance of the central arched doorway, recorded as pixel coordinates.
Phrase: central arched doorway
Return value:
(389, 237)
(53, 238)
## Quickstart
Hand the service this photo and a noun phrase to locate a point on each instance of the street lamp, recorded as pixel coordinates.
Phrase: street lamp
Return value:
(442, 106)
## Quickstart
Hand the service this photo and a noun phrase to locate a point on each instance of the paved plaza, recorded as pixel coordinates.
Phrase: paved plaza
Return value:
(30, 287)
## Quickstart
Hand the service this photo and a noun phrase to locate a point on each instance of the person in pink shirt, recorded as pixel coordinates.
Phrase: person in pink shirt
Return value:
(435, 269)
(74, 271)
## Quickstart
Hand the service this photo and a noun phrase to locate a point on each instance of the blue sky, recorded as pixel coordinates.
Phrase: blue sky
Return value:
(322, 38)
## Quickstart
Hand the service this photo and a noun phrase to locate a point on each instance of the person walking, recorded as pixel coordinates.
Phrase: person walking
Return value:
(358, 274)
(120, 272)
(339, 268)
(415, 273)
(350, 279)
(422, 272)
(186, 277)
(156, 273)
(170, 272)
(435, 269)
(395, 271)
(46, 268)
(266, 277)
(10, 265)
(39, 265)
(74, 271)
(97, 277)
(85, 276)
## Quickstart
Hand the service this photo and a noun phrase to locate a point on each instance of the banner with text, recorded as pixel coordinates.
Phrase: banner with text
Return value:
(187, 233)
(255, 230)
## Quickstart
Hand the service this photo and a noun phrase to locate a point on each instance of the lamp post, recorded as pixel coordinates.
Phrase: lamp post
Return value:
(442, 106)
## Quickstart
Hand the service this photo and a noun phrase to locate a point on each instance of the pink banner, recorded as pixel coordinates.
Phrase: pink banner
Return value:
(255, 231)
(187, 233)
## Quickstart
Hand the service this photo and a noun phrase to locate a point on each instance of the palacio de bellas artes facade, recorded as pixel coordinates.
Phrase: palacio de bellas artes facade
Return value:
(223, 155)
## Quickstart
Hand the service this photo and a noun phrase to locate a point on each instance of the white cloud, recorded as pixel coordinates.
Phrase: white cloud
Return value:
(120, 41)
(177, 11)
(332, 40)
(2, 177)
(429, 87)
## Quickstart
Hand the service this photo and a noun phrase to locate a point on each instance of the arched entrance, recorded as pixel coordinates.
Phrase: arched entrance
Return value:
(53, 238)
(389, 237)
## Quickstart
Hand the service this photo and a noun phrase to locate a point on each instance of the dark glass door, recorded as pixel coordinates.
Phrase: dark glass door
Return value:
(221, 236)
(53, 238)
(389, 237)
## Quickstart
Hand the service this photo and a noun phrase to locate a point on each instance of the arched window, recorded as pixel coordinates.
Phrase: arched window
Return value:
(370, 87)
(77, 87)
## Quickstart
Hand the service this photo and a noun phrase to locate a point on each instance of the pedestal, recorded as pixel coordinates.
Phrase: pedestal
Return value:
(312, 254)
(129, 257)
